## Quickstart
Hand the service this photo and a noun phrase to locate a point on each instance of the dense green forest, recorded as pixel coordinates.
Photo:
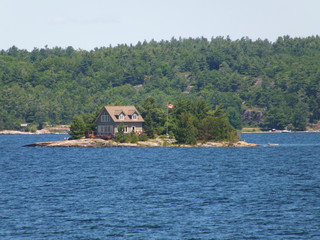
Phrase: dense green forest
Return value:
(257, 83)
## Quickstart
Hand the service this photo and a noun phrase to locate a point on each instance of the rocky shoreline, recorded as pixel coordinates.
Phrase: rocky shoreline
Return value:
(158, 142)
(42, 131)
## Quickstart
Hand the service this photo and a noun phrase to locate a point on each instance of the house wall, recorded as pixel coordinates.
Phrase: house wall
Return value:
(110, 127)
(105, 127)
(129, 127)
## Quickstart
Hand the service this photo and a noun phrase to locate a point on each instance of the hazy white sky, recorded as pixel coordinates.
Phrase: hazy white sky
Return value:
(87, 24)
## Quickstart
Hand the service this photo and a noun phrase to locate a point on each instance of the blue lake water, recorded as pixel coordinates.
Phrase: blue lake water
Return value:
(267, 192)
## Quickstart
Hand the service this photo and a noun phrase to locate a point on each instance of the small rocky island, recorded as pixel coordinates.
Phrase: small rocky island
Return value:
(124, 126)
(158, 142)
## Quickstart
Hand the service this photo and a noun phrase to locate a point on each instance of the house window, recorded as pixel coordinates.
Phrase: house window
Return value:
(105, 117)
(106, 129)
(121, 116)
(134, 116)
(109, 129)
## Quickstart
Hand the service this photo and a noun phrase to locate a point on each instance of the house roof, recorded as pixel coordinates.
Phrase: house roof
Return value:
(127, 111)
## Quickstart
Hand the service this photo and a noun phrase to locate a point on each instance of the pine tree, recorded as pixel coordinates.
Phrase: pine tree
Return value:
(120, 136)
(77, 128)
(186, 131)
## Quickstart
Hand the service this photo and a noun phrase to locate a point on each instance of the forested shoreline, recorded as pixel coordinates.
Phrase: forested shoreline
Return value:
(277, 83)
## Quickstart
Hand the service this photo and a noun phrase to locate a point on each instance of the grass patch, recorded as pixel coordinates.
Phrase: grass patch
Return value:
(251, 130)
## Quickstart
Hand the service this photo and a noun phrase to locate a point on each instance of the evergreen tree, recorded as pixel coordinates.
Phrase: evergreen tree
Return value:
(217, 128)
(149, 126)
(77, 128)
(186, 131)
(120, 136)
(53, 85)
(153, 115)
(276, 119)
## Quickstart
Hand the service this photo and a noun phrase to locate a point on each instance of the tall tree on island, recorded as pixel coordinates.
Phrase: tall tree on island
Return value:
(77, 128)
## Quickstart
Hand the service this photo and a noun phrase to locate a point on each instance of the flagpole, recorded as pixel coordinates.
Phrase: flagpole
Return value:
(167, 118)
(168, 106)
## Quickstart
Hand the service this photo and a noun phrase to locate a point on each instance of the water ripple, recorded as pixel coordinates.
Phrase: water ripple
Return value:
(161, 193)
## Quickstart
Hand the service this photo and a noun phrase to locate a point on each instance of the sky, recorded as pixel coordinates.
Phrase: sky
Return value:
(87, 24)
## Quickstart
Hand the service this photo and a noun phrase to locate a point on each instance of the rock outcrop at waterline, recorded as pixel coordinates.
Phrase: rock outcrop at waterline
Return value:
(151, 143)
(49, 130)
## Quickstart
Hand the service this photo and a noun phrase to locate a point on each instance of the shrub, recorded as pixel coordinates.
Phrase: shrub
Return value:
(133, 137)
(120, 136)
(143, 137)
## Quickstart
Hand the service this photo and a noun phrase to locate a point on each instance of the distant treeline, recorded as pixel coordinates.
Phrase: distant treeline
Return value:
(52, 85)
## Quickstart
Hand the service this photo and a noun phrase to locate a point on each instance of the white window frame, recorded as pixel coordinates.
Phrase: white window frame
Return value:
(110, 129)
(100, 129)
(105, 129)
(121, 116)
(134, 116)
(105, 117)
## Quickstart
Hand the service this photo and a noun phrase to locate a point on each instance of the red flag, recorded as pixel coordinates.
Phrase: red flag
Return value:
(170, 106)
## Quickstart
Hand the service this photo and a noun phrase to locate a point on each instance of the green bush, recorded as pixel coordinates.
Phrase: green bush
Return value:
(120, 136)
(143, 137)
(133, 137)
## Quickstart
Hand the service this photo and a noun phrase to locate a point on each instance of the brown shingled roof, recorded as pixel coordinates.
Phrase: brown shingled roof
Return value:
(115, 111)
